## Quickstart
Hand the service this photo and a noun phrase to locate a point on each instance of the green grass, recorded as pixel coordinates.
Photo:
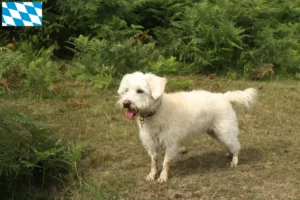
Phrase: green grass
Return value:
(116, 163)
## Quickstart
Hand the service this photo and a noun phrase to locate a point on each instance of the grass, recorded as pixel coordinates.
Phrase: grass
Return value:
(116, 163)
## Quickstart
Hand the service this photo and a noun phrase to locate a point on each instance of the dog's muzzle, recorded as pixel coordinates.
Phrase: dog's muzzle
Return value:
(131, 110)
(126, 104)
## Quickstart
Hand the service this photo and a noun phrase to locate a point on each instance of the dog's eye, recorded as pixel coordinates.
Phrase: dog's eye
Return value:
(140, 91)
(126, 90)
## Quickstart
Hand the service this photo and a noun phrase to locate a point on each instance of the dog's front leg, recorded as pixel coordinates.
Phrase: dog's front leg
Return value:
(170, 153)
(150, 145)
(153, 170)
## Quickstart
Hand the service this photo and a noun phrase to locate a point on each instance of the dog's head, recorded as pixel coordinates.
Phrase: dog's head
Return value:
(140, 92)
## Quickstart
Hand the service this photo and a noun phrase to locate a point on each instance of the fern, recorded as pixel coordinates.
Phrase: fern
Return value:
(164, 66)
(10, 61)
(92, 56)
(27, 149)
(204, 36)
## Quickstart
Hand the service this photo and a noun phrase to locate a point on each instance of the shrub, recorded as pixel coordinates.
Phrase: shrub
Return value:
(28, 152)
(100, 60)
(206, 36)
(34, 71)
(164, 66)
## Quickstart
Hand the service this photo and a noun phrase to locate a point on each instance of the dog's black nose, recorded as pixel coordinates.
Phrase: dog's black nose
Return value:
(126, 104)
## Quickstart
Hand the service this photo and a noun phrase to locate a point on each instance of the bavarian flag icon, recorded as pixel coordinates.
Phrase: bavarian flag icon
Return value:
(22, 13)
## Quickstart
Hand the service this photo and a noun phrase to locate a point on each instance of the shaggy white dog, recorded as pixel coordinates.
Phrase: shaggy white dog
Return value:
(169, 119)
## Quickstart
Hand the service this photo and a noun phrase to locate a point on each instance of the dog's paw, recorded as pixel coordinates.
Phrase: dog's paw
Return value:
(150, 177)
(234, 162)
(163, 178)
(183, 150)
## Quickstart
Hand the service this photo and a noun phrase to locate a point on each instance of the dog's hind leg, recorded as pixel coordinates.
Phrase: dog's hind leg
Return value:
(229, 137)
(233, 146)
(212, 134)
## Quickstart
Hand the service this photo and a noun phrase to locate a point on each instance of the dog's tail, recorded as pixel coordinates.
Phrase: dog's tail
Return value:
(247, 97)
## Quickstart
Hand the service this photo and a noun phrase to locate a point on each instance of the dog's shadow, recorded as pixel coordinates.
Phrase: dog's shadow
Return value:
(212, 161)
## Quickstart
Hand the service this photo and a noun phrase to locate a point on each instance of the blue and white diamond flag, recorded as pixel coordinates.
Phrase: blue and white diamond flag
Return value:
(22, 13)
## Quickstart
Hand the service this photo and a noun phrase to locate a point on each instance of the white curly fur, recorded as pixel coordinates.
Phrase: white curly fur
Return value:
(182, 115)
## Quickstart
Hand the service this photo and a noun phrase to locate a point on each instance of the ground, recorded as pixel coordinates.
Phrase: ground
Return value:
(115, 165)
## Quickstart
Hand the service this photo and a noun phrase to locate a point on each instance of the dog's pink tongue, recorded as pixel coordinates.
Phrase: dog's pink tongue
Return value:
(129, 114)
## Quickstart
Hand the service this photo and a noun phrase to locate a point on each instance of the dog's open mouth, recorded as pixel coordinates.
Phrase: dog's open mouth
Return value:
(130, 113)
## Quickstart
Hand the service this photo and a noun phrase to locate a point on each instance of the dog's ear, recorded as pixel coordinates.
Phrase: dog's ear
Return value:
(157, 85)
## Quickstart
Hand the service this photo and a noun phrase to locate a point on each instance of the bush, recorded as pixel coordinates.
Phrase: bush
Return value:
(100, 60)
(30, 156)
(206, 36)
(164, 66)
(34, 71)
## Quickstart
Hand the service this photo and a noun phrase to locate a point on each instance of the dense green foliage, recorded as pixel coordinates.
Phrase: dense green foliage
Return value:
(109, 38)
(30, 157)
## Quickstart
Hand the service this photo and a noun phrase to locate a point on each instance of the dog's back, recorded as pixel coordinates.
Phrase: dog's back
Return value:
(194, 98)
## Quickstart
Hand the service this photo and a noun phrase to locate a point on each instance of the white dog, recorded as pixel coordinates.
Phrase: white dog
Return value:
(169, 119)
